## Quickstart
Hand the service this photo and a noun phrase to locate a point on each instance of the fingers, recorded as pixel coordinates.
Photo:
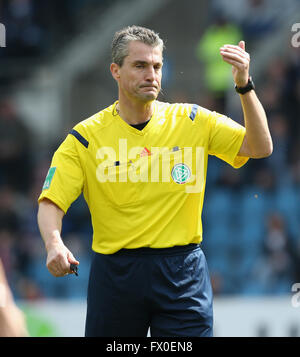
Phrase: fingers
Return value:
(235, 53)
(71, 258)
(236, 61)
(237, 57)
(240, 61)
(59, 260)
(57, 266)
(242, 45)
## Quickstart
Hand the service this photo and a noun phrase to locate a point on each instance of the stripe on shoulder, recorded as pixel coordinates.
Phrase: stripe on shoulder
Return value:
(79, 137)
(194, 110)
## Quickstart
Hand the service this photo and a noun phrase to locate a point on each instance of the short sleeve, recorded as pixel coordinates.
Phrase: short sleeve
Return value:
(64, 181)
(225, 139)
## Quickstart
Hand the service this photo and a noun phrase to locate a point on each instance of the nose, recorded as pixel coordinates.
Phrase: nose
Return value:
(150, 74)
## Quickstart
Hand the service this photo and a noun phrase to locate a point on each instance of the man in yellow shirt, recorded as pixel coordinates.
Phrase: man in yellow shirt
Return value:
(141, 165)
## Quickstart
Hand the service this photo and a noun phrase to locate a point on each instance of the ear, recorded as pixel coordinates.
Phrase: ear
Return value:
(115, 71)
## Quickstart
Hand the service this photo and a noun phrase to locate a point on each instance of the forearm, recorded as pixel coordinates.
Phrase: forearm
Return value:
(12, 319)
(59, 257)
(50, 223)
(257, 142)
(258, 138)
(12, 322)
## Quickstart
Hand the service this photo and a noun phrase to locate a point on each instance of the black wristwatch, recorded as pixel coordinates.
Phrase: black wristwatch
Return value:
(249, 86)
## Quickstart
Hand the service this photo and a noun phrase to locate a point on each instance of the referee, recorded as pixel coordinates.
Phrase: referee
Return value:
(141, 165)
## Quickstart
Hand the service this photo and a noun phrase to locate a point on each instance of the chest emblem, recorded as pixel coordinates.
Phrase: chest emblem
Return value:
(180, 173)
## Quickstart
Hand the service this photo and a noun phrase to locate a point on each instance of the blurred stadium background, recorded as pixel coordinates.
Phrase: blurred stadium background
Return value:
(54, 72)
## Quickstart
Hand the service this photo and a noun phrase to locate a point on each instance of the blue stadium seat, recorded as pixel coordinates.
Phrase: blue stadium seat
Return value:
(217, 263)
(286, 201)
(254, 204)
(217, 236)
(254, 207)
(40, 274)
(218, 207)
(214, 170)
(252, 287)
(67, 287)
(76, 286)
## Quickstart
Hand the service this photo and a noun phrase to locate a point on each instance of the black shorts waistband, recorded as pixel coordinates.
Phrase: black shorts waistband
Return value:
(159, 251)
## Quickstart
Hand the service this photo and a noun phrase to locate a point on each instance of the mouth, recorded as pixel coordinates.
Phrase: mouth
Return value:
(149, 87)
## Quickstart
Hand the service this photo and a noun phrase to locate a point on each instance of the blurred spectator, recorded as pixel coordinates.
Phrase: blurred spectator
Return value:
(16, 247)
(260, 17)
(217, 283)
(230, 178)
(278, 161)
(36, 30)
(9, 226)
(217, 73)
(24, 36)
(295, 170)
(15, 149)
(296, 257)
(276, 72)
(8, 214)
(257, 18)
(291, 98)
(28, 289)
(278, 256)
(270, 95)
(264, 179)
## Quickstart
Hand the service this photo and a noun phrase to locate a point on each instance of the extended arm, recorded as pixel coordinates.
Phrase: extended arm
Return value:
(12, 319)
(257, 142)
(59, 258)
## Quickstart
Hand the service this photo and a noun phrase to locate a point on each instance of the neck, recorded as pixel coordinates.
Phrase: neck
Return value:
(134, 112)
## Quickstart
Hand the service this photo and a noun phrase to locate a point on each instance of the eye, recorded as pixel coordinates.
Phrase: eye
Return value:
(157, 67)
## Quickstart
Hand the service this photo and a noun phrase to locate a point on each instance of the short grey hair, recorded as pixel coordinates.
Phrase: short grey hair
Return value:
(122, 38)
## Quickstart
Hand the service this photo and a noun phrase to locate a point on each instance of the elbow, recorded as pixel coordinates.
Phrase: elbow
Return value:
(266, 152)
(269, 148)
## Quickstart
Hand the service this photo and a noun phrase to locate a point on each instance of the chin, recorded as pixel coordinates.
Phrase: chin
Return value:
(148, 97)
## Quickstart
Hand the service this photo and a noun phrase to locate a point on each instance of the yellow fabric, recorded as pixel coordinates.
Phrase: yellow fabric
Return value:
(143, 188)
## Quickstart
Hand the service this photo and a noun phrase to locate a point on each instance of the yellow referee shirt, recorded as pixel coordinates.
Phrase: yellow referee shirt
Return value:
(144, 188)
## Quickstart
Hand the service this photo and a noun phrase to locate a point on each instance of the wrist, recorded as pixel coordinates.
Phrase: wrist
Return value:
(53, 241)
(242, 89)
(241, 84)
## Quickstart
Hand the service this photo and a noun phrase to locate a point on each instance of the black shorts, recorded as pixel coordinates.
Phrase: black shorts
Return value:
(167, 290)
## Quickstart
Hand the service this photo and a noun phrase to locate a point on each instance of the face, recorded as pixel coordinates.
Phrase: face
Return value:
(139, 77)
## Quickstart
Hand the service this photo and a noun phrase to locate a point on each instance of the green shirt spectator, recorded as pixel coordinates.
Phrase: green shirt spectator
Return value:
(217, 72)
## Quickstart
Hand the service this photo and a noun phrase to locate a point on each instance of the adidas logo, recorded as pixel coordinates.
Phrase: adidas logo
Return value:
(145, 152)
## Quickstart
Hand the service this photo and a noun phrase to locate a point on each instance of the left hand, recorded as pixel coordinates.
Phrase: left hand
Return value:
(240, 61)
